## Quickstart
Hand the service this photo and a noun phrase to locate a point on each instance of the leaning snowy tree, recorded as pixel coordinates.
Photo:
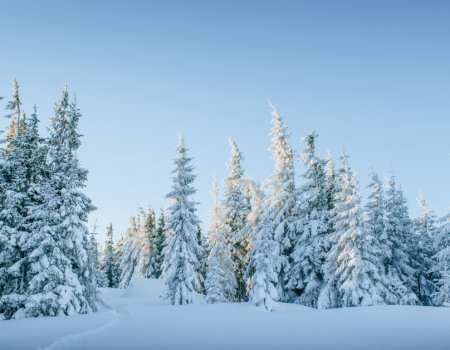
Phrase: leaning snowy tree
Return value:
(220, 283)
(181, 266)
(236, 207)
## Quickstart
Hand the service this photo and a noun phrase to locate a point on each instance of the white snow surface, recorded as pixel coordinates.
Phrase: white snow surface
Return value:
(136, 318)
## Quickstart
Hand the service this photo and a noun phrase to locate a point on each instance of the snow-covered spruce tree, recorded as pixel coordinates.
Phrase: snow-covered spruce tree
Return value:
(329, 295)
(149, 228)
(18, 179)
(220, 283)
(109, 266)
(94, 258)
(77, 293)
(357, 277)
(398, 230)
(236, 208)
(157, 255)
(313, 228)
(424, 236)
(181, 266)
(375, 228)
(280, 201)
(264, 266)
(441, 266)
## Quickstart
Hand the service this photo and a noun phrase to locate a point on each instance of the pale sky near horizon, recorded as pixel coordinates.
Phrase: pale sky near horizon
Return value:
(372, 77)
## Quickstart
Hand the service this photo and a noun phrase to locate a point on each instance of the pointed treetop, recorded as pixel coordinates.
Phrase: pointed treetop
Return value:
(234, 164)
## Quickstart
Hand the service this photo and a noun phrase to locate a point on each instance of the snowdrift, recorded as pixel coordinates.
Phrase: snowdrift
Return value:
(136, 318)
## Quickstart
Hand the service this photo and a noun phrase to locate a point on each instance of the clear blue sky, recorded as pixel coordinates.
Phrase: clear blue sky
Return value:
(372, 77)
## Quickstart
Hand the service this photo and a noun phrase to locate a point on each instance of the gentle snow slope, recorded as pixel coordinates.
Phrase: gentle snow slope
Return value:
(137, 319)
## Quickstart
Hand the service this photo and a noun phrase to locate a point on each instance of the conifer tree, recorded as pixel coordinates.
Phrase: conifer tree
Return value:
(398, 230)
(423, 238)
(157, 256)
(149, 228)
(236, 208)
(220, 283)
(313, 227)
(441, 266)
(264, 266)
(357, 277)
(181, 267)
(280, 202)
(17, 181)
(109, 266)
(69, 208)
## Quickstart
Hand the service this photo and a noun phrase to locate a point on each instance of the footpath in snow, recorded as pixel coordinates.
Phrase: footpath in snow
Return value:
(136, 318)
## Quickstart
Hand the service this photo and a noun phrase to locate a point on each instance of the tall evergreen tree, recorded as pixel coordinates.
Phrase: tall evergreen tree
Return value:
(398, 230)
(357, 277)
(280, 202)
(220, 283)
(17, 181)
(423, 239)
(236, 208)
(441, 266)
(313, 227)
(181, 267)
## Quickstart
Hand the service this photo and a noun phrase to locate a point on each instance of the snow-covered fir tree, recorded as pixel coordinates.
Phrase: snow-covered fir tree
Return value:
(181, 266)
(280, 201)
(441, 267)
(313, 227)
(20, 161)
(398, 230)
(220, 283)
(357, 276)
(236, 208)
(264, 266)
(149, 228)
(67, 179)
(424, 236)
(157, 256)
(375, 228)
(109, 266)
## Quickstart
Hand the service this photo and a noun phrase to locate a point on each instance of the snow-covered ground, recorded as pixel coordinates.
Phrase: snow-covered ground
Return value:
(137, 319)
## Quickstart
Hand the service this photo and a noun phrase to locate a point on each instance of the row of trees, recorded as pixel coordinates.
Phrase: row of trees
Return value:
(47, 257)
(313, 244)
